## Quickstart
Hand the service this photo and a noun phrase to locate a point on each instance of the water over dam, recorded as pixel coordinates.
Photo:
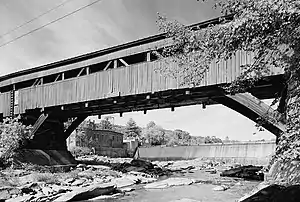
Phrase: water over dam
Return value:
(255, 153)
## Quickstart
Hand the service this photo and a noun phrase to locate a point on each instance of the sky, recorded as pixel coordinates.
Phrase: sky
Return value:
(105, 24)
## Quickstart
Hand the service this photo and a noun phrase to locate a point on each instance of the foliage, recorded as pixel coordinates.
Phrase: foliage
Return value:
(49, 178)
(132, 130)
(13, 136)
(197, 140)
(80, 151)
(83, 139)
(179, 137)
(105, 124)
(268, 29)
(153, 134)
(212, 139)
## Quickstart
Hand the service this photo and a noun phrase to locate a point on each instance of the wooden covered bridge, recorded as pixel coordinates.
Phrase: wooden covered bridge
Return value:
(122, 79)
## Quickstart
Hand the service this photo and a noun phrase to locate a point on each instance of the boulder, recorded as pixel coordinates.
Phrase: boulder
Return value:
(127, 189)
(21, 199)
(264, 195)
(124, 182)
(142, 163)
(169, 183)
(7, 192)
(98, 167)
(221, 188)
(179, 181)
(81, 166)
(134, 169)
(157, 185)
(144, 180)
(29, 188)
(47, 190)
(106, 197)
(69, 180)
(87, 192)
(247, 172)
(288, 194)
(78, 182)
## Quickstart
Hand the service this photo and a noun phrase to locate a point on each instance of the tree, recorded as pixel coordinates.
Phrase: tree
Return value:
(270, 30)
(183, 137)
(132, 130)
(105, 123)
(178, 137)
(13, 136)
(197, 140)
(208, 140)
(151, 124)
(153, 134)
(82, 134)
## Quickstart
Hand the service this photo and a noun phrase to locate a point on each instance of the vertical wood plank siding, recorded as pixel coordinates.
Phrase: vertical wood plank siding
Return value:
(5, 104)
(134, 79)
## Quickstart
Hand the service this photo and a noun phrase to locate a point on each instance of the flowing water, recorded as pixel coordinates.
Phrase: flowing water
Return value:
(198, 192)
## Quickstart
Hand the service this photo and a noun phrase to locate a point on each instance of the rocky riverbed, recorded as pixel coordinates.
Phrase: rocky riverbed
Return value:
(99, 178)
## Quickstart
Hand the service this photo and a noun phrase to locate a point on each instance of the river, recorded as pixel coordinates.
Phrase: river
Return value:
(197, 192)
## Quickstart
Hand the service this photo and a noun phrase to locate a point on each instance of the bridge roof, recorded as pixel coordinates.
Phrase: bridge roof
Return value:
(106, 50)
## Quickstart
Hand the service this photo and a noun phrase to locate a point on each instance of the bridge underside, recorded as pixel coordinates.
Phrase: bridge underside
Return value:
(50, 132)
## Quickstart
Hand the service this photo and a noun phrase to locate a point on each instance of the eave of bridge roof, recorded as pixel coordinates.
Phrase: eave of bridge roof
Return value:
(105, 51)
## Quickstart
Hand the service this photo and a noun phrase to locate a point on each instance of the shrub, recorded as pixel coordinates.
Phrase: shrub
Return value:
(48, 178)
(13, 135)
(80, 151)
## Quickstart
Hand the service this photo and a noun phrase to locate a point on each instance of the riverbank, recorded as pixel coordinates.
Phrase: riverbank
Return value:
(124, 179)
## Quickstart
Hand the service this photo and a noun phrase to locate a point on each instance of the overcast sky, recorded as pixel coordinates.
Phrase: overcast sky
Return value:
(104, 24)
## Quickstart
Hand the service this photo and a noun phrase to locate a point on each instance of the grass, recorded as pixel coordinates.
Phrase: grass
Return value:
(48, 178)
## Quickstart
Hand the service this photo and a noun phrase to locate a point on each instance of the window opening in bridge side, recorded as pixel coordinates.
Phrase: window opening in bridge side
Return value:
(6, 88)
(52, 78)
(135, 59)
(101, 66)
(26, 84)
(74, 73)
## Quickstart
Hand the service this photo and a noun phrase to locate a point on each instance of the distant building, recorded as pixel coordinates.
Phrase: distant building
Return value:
(105, 142)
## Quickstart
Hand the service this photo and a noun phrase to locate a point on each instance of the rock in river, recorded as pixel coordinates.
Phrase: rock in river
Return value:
(247, 172)
(87, 192)
(221, 188)
(169, 183)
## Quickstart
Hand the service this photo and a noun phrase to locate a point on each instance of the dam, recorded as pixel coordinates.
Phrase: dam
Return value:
(255, 153)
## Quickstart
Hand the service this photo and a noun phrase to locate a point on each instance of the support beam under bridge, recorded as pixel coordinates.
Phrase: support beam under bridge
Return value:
(253, 108)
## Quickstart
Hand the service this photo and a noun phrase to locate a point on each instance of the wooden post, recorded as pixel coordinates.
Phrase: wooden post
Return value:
(115, 64)
(80, 72)
(63, 76)
(87, 70)
(12, 100)
(148, 58)
(124, 63)
(56, 79)
(107, 65)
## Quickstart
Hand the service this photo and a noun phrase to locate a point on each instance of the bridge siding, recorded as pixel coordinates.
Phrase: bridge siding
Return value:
(134, 79)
